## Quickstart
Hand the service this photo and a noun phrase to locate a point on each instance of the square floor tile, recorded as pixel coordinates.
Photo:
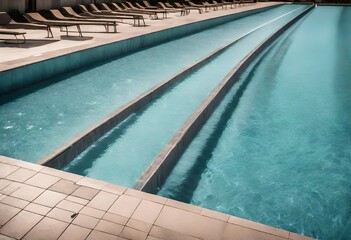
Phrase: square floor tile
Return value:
(163, 233)
(85, 192)
(97, 235)
(61, 174)
(92, 212)
(6, 170)
(111, 188)
(15, 202)
(131, 233)
(115, 218)
(28, 193)
(36, 208)
(125, 205)
(42, 180)
(190, 223)
(11, 188)
(4, 183)
(234, 231)
(109, 227)
(21, 175)
(103, 200)
(70, 206)
(258, 226)
(50, 198)
(3, 237)
(146, 196)
(64, 186)
(92, 183)
(75, 232)
(77, 200)
(7, 212)
(139, 225)
(46, 229)
(147, 211)
(85, 221)
(26, 220)
(60, 214)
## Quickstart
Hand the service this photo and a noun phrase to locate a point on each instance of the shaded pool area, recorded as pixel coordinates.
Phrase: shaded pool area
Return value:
(277, 150)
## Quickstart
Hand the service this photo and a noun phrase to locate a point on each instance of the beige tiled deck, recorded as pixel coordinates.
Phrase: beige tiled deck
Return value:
(38, 202)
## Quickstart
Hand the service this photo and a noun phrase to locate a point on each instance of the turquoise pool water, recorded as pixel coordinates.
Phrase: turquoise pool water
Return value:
(122, 155)
(36, 121)
(278, 149)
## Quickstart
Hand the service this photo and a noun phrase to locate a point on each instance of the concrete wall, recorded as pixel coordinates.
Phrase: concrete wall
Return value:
(7, 5)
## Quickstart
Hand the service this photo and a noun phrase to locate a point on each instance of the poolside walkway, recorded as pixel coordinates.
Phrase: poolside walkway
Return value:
(38, 202)
(39, 48)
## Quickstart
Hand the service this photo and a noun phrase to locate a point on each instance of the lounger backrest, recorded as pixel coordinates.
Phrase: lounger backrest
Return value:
(57, 14)
(162, 5)
(117, 7)
(177, 4)
(93, 6)
(4, 18)
(106, 7)
(139, 6)
(83, 8)
(123, 5)
(146, 3)
(70, 11)
(35, 16)
(129, 4)
(168, 5)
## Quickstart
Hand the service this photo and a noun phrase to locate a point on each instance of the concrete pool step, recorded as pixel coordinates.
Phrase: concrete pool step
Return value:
(49, 203)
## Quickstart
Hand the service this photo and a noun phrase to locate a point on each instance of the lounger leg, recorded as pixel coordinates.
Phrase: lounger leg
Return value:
(79, 31)
(50, 35)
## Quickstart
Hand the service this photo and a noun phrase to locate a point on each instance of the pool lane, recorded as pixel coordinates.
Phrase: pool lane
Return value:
(279, 152)
(122, 155)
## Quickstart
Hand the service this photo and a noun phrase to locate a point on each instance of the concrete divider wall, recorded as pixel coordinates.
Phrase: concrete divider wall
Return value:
(17, 78)
(156, 174)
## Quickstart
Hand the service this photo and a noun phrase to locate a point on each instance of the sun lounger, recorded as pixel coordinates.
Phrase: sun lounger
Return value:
(130, 6)
(15, 34)
(83, 11)
(190, 3)
(7, 22)
(148, 5)
(37, 18)
(174, 10)
(57, 15)
(152, 13)
(135, 17)
(188, 8)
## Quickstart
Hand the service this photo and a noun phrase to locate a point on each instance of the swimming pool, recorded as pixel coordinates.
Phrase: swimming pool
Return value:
(277, 150)
(123, 155)
(71, 103)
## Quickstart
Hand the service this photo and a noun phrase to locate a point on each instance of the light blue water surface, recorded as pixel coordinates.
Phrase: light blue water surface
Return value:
(278, 149)
(122, 155)
(36, 121)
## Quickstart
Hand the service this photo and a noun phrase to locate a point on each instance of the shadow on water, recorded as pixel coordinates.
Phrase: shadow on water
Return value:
(185, 190)
(82, 165)
(342, 88)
